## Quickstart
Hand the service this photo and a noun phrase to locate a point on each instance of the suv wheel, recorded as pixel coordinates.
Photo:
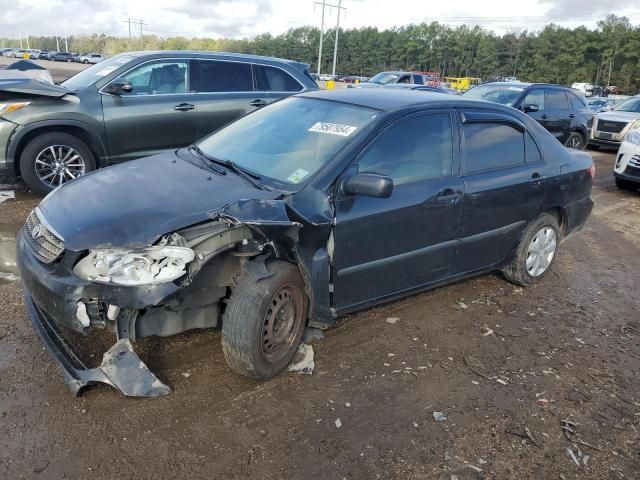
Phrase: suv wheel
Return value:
(54, 158)
(576, 140)
(536, 251)
(264, 320)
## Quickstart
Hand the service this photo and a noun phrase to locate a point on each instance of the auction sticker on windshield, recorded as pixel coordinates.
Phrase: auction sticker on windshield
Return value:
(297, 176)
(333, 129)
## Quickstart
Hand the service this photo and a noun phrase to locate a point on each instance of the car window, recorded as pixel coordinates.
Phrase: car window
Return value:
(556, 100)
(535, 97)
(158, 78)
(405, 79)
(217, 76)
(576, 101)
(488, 146)
(413, 148)
(273, 79)
(417, 79)
(532, 152)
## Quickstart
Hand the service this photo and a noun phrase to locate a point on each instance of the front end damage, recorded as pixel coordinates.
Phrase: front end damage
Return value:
(234, 241)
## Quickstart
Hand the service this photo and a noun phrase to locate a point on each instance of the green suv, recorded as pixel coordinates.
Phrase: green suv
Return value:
(129, 106)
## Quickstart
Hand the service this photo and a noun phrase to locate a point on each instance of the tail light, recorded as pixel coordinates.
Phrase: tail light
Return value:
(592, 171)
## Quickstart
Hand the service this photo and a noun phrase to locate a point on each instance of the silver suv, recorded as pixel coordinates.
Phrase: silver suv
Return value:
(610, 128)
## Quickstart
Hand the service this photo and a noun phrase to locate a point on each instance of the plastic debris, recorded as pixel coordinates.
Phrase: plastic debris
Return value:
(392, 320)
(439, 416)
(338, 423)
(303, 360)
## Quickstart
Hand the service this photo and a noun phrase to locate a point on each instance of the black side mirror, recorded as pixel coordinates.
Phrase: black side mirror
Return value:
(120, 85)
(530, 108)
(369, 185)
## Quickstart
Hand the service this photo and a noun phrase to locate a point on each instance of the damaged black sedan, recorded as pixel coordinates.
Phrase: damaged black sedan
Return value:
(311, 208)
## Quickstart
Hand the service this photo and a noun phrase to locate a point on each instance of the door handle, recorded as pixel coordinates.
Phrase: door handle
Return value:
(572, 115)
(258, 103)
(544, 116)
(184, 107)
(448, 195)
(536, 178)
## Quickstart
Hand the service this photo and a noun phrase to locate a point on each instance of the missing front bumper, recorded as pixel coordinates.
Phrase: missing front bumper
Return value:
(121, 367)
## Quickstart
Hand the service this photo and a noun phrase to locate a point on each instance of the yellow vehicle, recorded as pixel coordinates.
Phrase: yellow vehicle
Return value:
(463, 84)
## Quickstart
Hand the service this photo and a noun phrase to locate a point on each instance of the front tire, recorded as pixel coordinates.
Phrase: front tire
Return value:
(264, 320)
(576, 141)
(535, 253)
(54, 158)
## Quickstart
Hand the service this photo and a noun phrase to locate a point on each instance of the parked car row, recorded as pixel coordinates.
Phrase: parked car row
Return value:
(35, 54)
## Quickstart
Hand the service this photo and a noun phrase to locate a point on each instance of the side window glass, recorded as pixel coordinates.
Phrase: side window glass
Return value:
(535, 97)
(404, 79)
(556, 100)
(215, 76)
(532, 152)
(158, 78)
(414, 148)
(273, 79)
(488, 146)
(417, 79)
(576, 101)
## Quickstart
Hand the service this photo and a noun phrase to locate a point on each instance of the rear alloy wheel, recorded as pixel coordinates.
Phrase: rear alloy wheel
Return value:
(264, 321)
(575, 141)
(53, 159)
(536, 251)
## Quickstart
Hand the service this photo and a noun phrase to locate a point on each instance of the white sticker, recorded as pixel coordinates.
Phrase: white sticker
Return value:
(106, 71)
(333, 129)
(517, 89)
(297, 176)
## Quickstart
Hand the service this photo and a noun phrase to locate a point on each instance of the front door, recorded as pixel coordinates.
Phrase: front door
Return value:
(388, 246)
(158, 114)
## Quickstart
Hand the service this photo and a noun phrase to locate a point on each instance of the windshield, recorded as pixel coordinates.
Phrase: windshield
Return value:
(290, 140)
(504, 94)
(91, 75)
(596, 102)
(383, 78)
(631, 105)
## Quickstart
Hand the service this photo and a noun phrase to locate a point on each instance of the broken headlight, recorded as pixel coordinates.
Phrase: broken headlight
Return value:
(143, 266)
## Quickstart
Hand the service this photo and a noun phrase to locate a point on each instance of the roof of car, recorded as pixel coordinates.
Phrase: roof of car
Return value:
(385, 99)
(524, 85)
(197, 53)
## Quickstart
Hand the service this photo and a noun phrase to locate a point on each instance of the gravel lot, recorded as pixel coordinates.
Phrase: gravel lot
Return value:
(514, 363)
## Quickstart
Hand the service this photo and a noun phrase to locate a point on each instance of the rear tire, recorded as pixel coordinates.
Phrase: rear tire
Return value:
(576, 141)
(535, 253)
(264, 321)
(32, 172)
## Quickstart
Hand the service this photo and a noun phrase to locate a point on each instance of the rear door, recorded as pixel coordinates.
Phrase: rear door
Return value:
(557, 111)
(275, 83)
(387, 246)
(504, 184)
(158, 114)
(225, 92)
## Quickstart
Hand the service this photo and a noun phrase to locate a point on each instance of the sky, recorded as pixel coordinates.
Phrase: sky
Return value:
(248, 18)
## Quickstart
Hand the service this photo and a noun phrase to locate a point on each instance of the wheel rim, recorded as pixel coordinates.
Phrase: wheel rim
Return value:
(57, 164)
(541, 251)
(575, 142)
(281, 322)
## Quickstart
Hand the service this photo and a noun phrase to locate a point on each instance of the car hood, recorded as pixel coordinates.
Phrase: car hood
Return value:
(616, 116)
(14, 81)
(133, 204)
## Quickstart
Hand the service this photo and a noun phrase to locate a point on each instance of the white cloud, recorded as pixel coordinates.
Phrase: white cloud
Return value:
(247, 18)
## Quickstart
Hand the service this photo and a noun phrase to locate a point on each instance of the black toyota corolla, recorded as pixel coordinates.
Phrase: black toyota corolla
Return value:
(311, 208)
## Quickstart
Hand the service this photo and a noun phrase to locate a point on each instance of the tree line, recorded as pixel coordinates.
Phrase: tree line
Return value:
(607, 55)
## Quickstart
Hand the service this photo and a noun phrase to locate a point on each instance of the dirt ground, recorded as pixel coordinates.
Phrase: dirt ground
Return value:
(504, 365)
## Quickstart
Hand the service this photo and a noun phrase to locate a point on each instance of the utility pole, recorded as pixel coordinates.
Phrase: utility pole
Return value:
(138, 22)
(128, 21)
(57, 42)
(335, 46)
(609, 78)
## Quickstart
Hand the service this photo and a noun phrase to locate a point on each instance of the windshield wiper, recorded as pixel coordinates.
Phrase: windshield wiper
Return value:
(194, 149)
(248, 175)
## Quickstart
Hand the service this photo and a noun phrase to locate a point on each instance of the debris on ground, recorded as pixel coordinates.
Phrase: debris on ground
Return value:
(311, 333)
(338, 423)
(439, 416)
(392, 320)
(186, 374)
(303, 360)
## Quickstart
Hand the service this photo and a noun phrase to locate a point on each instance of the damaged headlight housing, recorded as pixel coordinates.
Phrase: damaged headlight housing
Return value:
(6, 108)
(145, 266)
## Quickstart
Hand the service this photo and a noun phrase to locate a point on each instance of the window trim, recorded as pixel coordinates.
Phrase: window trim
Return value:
(455, 141)
(255, 80)
(515, 124)
(158, 60)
